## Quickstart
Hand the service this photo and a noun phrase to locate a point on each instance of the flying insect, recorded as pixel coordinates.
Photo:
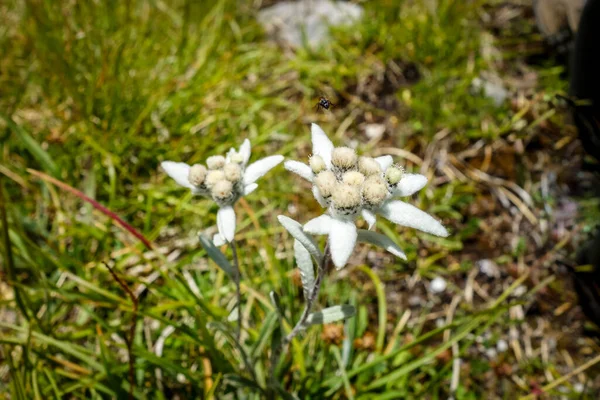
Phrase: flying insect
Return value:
(324, 103)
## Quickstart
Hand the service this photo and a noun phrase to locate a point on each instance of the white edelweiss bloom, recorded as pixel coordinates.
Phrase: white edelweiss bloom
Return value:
(349, 186)
(226, 180)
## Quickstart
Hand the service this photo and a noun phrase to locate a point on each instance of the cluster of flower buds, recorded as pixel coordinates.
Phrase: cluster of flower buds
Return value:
(353, 183)
(225, 180)
(221, 178)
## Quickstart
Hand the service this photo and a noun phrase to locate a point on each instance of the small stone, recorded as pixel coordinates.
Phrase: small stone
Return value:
(414, 301)
(520, 291)
(492, 90)
(305, 21)
(374, 131)
(491, 353)
(501, 346)
(437, 285)
(488, 268)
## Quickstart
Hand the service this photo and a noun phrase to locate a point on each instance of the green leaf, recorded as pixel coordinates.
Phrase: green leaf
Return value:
(276, 302)
(396, 374)
(215, 254)
(242, 382)
(165, 364)
(331, 314)
(305, 265)
(381, 306)
(265, 332)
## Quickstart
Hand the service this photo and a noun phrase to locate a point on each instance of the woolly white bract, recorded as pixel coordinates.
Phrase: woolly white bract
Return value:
(349, 186)
(225, 180)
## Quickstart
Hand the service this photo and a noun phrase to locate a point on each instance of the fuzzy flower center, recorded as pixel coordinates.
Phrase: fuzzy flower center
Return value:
(317, 164)
(368, 166)
(343, 159)
(215, 162)
(353, 183)
(222, 180)
(197, 174)
(393, 175)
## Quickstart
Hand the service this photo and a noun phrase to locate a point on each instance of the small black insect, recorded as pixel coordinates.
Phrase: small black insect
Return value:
(324, 103)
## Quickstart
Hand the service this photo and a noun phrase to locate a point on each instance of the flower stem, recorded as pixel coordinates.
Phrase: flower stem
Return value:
(301, 324)
(237, 278)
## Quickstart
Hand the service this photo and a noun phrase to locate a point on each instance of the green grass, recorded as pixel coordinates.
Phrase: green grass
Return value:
(97, 94)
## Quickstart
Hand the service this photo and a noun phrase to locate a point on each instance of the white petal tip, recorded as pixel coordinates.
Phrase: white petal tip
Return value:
(226, 223)
(250, 188)
(384, 162)
(218, 240)
(398, 254)
(179, 171)
(342, 239)
(405, 214)
(261, 167)
(300, 169)
(410, 184)
(369, 217)
(439, 230)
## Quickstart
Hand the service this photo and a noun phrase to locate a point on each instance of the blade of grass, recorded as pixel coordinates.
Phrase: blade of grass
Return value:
(342, 370)
(381, 306)
(95, 204)
(31, 145)
(398, 373)
(564, 378)
(8, 256)
(71, 348)
(131, 336)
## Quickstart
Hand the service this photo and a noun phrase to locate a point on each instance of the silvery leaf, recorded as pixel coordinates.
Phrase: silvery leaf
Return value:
(305, 265)
(331, 314)
(234, 315)
(295, 229)
(216, 255)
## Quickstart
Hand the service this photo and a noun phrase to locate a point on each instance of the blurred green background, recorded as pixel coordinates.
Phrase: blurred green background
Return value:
(97, 93)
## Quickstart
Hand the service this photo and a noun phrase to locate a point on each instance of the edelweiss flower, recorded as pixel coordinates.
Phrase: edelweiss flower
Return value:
(349, 186)
(225, 180)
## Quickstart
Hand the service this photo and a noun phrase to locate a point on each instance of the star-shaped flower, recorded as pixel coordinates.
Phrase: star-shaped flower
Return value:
(348, 186)
(225, 180)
